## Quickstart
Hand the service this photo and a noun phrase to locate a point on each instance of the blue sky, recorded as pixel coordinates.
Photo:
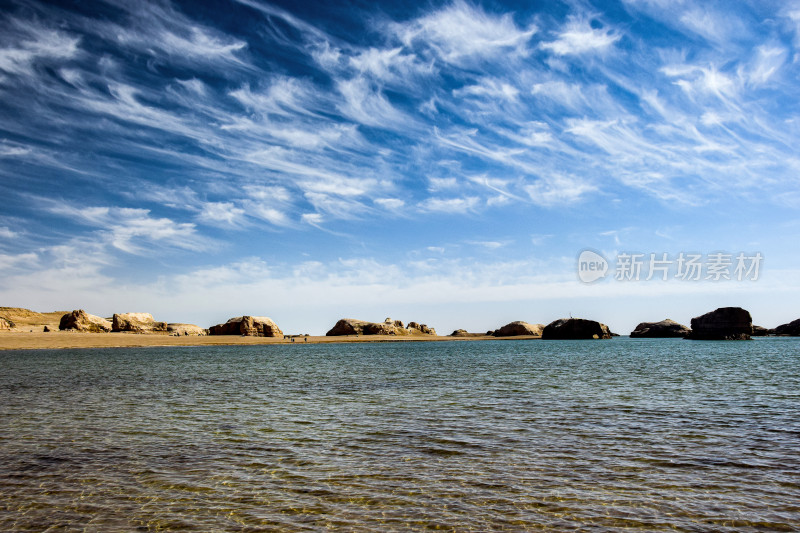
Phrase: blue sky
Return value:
(443, 162)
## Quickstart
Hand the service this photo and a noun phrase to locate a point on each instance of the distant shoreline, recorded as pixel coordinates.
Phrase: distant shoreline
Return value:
(58, 340)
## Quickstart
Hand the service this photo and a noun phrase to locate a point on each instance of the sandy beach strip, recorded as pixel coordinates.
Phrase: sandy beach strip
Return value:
(24, 340)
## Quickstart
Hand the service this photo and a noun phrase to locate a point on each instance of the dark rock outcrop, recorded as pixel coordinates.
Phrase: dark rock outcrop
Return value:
(519, 328)
(351, 326)
(665, 328)
(248, 326)
(725, 323)
(761, 331)
(575, 328)
(80, 320)
(791, 329)
(137, 323)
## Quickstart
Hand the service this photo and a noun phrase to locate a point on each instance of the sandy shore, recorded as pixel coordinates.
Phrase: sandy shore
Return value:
(23, 340)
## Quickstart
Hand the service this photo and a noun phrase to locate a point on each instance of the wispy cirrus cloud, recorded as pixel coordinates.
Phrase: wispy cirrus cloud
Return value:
(450, 205)
(132, 230)
(558, 190)
(25, 43)
(579, 36)
(461, 32)
(156, 28)
(716, 26)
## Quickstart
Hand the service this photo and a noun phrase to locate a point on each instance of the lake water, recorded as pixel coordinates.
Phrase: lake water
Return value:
(648, 435)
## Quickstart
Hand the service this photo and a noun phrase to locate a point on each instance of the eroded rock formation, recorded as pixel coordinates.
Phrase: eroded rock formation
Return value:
(792, 329)
(518, 328)
(186, 329)
(575, 328)
(665, 328)
(416, 328)
(137, 323)
(249, 326)
(725, 323)
(351, 326)
(80, 320)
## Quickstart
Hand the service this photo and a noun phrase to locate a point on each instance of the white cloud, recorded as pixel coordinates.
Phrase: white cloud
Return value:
(532, 133)
(450, 205)
(442, 184)
(489, 88)
(767, 62)
(8, 149)
(268, 203)
(327, 56)
(34, 43)
(713, 25)
(389, 65)
(221, 214)
(558, 190)
(282, 96)
(466, 141)
(128, 229)
(267, 213)
(340, 207)
(460, 32)
(568, 94)
(489, 245)
(697, 81)
(579, 37)
(18, 261)
(391, 204)
(270, 11)
(312, 218)
(367, 105)
(158, 27)
(6, 233)
(196, 43)
(793, 14)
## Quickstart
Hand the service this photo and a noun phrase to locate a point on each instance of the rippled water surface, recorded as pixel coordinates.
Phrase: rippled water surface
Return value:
(520, 435)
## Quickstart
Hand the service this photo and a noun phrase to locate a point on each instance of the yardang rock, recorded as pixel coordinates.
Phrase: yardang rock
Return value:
(663, 329)
(416, 328)
(792, 329)
(575, 328)
(519, 328)
(725, 323)
(761, 331)
(249, 326)
(186, 329)
(80, 320)
(137, 323)
(351, 326)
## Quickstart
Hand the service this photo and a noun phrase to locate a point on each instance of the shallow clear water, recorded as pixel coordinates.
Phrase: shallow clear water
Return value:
(643, 434)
